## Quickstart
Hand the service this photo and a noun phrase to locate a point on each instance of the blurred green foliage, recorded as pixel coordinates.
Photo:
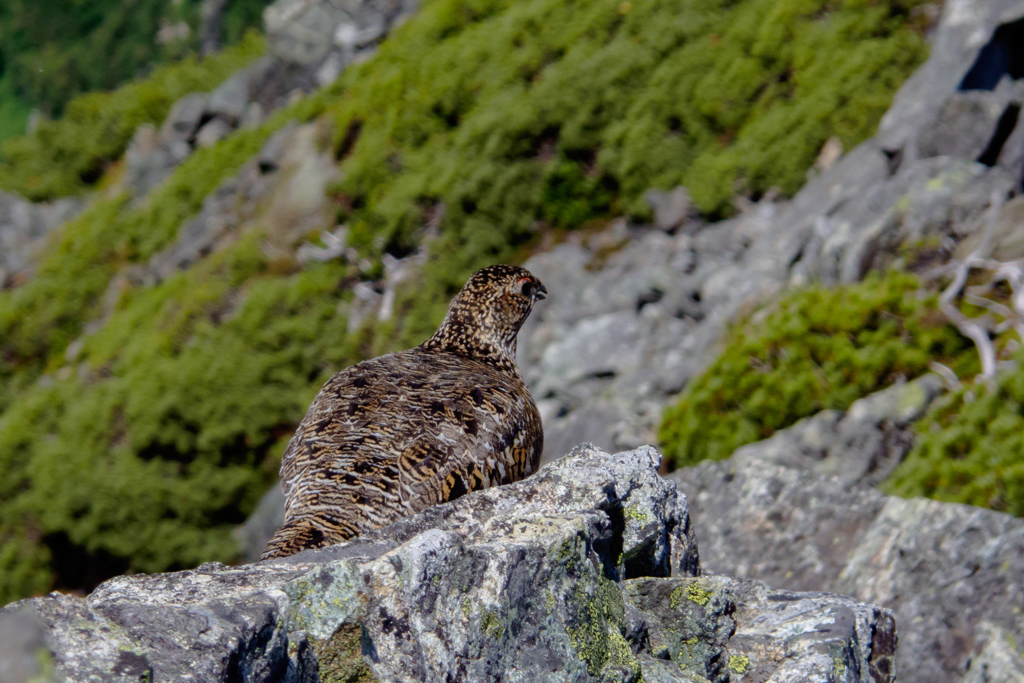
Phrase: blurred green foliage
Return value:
(819, 349)
(53, 50)
(14, 112)
(68, 155)
(140, 450)
(970, 448)
(157, 444)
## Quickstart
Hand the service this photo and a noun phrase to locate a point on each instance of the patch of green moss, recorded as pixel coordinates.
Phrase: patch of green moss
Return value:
(589, 632)
(818, 349)
(340, 659)
(633, 512)
(970, 448)
(611, 600)
(68, 155)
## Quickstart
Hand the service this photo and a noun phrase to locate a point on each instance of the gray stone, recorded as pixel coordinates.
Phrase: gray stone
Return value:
(210, 25)
(183, 120)
(793, 511)
(967, 121)
(230, 99)
(723, 629)
(23, 651)
(24, 231)
(586, 571)
(996, 657)
(671, 208)
(304, 32)
(301, 31)
(311, 42)
(965, 27)
(147, 161)
(212, 132)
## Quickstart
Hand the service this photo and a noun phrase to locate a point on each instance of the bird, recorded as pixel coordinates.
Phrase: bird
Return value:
(393, 435)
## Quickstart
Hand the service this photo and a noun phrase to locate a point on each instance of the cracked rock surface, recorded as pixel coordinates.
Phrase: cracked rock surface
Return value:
(587, 571)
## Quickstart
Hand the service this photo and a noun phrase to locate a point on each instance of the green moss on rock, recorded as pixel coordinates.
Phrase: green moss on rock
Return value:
(340, 659)
(970, 448)
(818, 349)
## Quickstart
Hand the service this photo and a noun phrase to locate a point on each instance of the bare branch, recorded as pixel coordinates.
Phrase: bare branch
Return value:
(975, 329)
(949, 377)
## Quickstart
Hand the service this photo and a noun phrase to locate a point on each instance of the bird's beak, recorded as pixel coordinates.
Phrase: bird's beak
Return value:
(541, 293)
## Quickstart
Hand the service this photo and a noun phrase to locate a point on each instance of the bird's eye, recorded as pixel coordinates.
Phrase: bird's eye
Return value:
(528, 287)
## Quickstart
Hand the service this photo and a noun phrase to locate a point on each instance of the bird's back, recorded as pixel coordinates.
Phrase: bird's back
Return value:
(393, 435)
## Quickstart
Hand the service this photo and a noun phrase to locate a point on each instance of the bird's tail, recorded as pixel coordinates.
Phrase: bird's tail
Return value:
(298, 534)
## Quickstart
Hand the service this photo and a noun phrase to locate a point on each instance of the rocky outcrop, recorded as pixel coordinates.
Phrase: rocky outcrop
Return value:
(794, 511)
(23, 230)
(323, 37)
(281, 191)
(202, 120)
(310, 43)
(636, 311)
(586, 571)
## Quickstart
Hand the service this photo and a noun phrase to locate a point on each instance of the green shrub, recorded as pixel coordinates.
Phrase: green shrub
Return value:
(161, 440)
(68, 155)
(970, 449)
(819, 349)
(14, 113)
(39, 319)
(172, 424)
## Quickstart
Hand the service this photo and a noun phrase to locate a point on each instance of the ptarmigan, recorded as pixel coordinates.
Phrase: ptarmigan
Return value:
(391, 436)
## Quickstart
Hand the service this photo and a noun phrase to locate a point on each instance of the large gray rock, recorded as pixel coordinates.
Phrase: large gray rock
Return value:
(282, 190)
(972, 51)
(586, 571)
(793, 511)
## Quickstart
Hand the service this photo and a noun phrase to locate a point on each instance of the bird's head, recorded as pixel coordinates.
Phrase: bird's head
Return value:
(485, 316)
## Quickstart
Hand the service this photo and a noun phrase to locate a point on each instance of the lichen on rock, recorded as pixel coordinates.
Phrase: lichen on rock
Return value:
(524, 582)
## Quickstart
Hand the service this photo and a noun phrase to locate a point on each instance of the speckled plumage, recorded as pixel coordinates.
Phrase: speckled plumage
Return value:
(393, 435)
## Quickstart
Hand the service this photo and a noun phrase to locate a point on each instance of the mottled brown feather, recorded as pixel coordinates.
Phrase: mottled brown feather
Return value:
(393, 435)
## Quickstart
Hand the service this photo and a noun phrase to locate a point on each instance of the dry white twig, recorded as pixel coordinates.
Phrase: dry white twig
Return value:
(975, 329)
(949, 377)
(336, 246)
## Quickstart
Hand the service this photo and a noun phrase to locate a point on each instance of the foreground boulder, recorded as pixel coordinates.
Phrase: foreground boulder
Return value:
(586, 571)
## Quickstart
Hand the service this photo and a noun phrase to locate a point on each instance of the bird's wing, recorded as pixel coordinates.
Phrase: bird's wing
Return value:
(481, 429)
(406, 431)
